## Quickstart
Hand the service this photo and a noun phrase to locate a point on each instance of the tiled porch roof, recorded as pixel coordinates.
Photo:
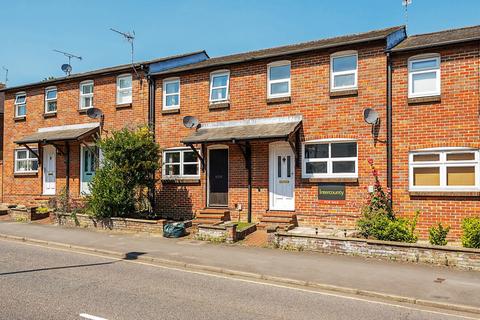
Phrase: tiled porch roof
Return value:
(67, 133)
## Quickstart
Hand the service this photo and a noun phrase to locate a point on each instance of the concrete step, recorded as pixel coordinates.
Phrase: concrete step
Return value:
(210, 216)
(196, 222)
(283, 220)
(279, 214)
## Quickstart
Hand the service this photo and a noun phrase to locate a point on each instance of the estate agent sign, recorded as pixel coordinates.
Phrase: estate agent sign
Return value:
(331, 191)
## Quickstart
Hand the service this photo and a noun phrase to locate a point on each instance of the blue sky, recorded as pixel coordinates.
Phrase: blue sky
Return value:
(31, 29)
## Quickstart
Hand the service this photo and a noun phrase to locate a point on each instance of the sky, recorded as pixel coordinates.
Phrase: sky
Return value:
(30, 30)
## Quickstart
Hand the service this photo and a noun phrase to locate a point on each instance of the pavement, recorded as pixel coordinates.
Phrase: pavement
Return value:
(416, 283)
(45, 283)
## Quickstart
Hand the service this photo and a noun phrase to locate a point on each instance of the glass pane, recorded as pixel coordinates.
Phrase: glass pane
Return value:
(172, 100)
(21, 110)
(344, 80)
(424, 82)
(426, 176)
(172, 157)
(87, 88)
(344, 63)
(51, 106)
(278, 88)
(22, 154)
(172, 170)
(316, 151)
(190, 169)
(426, 157)
(20, 99)
(125, 82)
(87, 102)
(279, 166)
(316, 167)
(34, 165)
(86, 160)
(172, 87)
(219, 94)
(21, 165)
(52, 94)
(125, 96)
(425, 64)
(219, 81)
(461, 156)
(289, 174)
(460, 176)
(343, 167)
(344, 150)
(189, 156)
(280, 72)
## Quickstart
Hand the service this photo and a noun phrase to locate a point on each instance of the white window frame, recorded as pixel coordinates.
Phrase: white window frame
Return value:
(82, 95)
(443, 164)
(30, 157)
(20, 94)
(220, 73)
(329, 160)
(47, 100)
(165, 82)
(120, 90)
(419, 58)
(269, 82)
(343, 54)
(181, 163)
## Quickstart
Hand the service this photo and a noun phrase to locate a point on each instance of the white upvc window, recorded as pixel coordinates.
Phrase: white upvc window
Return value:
(330, 159)
(424, 76)
(124, 89)
(180, 163)
(449, 169)
(20, 104)
(171, 93)
(51, 100)
(343, 70)
(86, 94)
(278, 79)
(25, 161)
(219, 83)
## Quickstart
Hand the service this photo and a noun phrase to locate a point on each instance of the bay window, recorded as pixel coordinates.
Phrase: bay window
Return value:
(180, 163)
(424, 76)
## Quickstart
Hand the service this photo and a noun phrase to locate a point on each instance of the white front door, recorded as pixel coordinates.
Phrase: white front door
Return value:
(282, 177)
(88, 167)
(49, 170)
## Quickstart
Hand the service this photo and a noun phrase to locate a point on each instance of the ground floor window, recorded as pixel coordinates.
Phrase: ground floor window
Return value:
(330, 159)
(443, 170)
(26, 161)
(180, 163)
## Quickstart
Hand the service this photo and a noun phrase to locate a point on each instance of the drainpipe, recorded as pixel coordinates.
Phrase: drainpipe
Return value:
(389, 124)
(151, 124)
(249, 169)
(67, 170)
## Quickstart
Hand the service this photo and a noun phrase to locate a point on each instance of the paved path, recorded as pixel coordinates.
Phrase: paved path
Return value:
(44, 283)
(411, 280)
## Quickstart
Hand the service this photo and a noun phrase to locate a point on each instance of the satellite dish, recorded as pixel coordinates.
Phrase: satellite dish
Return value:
(94, 113)
(370, 116)
(66, 68)
(190, 122)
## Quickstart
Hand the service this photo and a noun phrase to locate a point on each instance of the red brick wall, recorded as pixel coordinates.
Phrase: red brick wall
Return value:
(453, 122)
(324, 117)
(28, 189)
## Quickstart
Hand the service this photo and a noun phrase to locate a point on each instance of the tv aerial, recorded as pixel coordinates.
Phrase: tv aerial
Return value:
(406, 3)
(130, 37)
(67, 67)
(190, 122)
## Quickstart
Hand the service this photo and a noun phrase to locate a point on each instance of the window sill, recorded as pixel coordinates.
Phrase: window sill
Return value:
(279, 100)
(181, 180)
(421, 100)
(25, 174)
(18, 119)
(445, 193)
(50, 115)
(219, 105)
(123, 105)
(171, 111)
(343, 180)
(343, 93)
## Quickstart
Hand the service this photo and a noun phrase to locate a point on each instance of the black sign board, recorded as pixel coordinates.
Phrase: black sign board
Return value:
(331, 191)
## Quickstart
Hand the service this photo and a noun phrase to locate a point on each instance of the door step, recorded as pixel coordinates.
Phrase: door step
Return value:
(211, 216)
(278, 219)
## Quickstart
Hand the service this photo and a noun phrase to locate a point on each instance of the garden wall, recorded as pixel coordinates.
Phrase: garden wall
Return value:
(439, 255)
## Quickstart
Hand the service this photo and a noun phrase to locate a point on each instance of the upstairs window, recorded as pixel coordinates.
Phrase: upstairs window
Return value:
(444, 170)
(20, 104)
(278, 79)
(335, 159)
(86, 94)
(171, 94)
(424, 76)
(343, 70)
(124, 89)
(25, 161)
(180, 163)
(219, 82)
(51, 100)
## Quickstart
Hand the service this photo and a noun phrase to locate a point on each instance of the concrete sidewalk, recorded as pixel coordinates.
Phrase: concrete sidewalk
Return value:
(437, 284)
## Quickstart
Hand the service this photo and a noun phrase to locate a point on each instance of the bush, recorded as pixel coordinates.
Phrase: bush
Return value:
(438, 235)
(471, 232)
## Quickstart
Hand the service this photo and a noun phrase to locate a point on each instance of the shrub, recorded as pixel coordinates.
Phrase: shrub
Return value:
(471, 232)
(438, 235)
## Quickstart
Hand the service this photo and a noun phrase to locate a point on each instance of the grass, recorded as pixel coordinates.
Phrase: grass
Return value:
(243, 225)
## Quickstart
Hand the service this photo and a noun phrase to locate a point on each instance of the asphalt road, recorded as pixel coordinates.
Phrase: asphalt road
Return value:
(45, 283)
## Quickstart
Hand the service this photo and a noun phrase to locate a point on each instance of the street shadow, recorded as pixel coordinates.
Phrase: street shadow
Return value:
(58, 268)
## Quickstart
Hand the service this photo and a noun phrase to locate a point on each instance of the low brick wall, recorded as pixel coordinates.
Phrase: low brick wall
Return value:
(26, 214)
(223, 233)
(116, 224)
(413, 252)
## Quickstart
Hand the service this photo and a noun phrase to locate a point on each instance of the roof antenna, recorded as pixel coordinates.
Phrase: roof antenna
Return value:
(130, 37)
(67, 67)
(6, 74)
(406, 3)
